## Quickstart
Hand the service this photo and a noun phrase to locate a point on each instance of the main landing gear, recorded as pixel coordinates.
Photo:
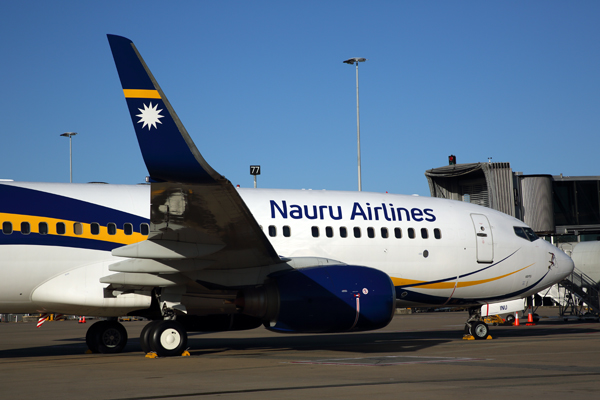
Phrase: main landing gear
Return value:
(166, 338)
(475, 326)
(106, 337)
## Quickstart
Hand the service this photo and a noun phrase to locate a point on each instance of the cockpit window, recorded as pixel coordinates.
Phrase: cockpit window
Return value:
(525, 233)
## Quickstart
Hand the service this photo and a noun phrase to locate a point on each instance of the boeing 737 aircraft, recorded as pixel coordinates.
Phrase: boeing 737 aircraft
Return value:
(191, 252)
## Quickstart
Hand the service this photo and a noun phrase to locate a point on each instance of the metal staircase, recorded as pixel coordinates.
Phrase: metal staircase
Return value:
(580, 287)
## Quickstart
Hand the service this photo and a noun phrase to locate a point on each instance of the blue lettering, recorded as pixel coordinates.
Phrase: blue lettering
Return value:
(385, 215)
(416, 214)
(369, 211)
(275, 206)
(339, 216)
(400, 214)
(321, 211)
(429, 213)
(393, 212)
(314, 216)
(295, 211)
(357, 211)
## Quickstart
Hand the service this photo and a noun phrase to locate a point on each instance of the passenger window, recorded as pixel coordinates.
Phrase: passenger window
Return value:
(111, 228)
(272, 231)
(411, 233)
(398, 233)
(437, 233)
(315, 231)
(287, 232)
(128, 228)
(61, 229)
(7, 228)
(145, 229)
(384, 233)
(78, 228)
(370, 232)
(25, 228)
(43, 228)
(95, 228)
(424, 233)
(343, 231)
(329, 231)
(356, 232)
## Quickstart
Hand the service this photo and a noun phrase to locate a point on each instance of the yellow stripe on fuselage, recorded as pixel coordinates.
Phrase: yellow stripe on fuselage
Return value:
(118, 237)
(449, 284)
(141, 94)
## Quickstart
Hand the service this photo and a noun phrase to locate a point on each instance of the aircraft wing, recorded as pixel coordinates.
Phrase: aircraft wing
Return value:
(196, 214)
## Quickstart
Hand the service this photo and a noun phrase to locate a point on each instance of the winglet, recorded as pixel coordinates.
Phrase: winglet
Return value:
(169, 152)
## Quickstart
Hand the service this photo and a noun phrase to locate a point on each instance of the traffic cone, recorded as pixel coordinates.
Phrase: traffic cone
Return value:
(530, 320)
(83, 319)
(517, 320)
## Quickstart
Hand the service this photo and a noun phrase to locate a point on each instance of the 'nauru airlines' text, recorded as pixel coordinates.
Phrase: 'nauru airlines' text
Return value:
(367, 212)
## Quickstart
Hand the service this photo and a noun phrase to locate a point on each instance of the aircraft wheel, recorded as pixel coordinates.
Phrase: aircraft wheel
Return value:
(479, 330)
(145, 336)
(107, 337)
(510, 319)
(168, 338)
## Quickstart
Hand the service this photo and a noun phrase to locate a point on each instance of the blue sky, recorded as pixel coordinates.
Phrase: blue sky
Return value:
(263, 82)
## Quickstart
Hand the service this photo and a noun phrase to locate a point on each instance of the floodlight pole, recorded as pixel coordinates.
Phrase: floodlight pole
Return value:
(356, 60)
(70, 136)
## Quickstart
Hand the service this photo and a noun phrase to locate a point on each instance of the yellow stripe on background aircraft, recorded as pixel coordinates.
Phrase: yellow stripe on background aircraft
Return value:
(191, 252)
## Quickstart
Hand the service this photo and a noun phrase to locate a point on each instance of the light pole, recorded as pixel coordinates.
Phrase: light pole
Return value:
(351, 61)
(70, 136)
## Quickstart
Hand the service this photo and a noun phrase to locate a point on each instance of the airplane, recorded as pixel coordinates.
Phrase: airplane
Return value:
(190, 252)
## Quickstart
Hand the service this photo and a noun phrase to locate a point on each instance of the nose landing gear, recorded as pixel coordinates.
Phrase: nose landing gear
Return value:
(475, 327)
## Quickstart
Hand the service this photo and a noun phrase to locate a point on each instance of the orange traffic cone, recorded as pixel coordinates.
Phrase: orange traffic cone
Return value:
(517, 320)
(530, 320)
(83, 319)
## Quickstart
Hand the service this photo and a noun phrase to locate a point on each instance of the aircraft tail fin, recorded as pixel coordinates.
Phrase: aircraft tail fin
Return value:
(169, 152)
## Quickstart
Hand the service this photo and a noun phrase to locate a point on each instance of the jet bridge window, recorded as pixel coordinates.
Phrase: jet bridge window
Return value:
(61, 229)
(145, 229)
(43, 228)
(7, 228)
(25, 228)
(95, 228)
(272, 231)
(111, 228)
(411, 233)
(398, 233)
(287, 232)
(343, 231)
(128, 228)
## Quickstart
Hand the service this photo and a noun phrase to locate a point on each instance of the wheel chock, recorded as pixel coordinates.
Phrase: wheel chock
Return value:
(471, 337)
(151, 354)
(186, 354)
(88, 351)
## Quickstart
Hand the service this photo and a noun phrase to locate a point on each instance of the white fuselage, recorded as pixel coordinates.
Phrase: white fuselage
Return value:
(429, 247)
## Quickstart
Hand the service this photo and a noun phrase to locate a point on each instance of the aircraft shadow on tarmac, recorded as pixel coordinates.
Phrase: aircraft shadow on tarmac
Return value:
(365, 343)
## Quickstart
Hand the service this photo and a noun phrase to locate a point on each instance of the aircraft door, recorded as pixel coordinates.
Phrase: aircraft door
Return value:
(483, 235)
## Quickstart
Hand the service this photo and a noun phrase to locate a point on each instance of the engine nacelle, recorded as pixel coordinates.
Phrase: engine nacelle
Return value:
(332, 298)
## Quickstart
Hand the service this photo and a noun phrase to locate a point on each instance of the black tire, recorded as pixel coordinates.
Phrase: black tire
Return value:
(90, 336)
(510, 319)
(145, 336)
(168, 338)
(109, 337)
(479, 330)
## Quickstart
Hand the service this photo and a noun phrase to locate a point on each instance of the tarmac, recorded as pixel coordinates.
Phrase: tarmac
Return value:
(418, 356)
